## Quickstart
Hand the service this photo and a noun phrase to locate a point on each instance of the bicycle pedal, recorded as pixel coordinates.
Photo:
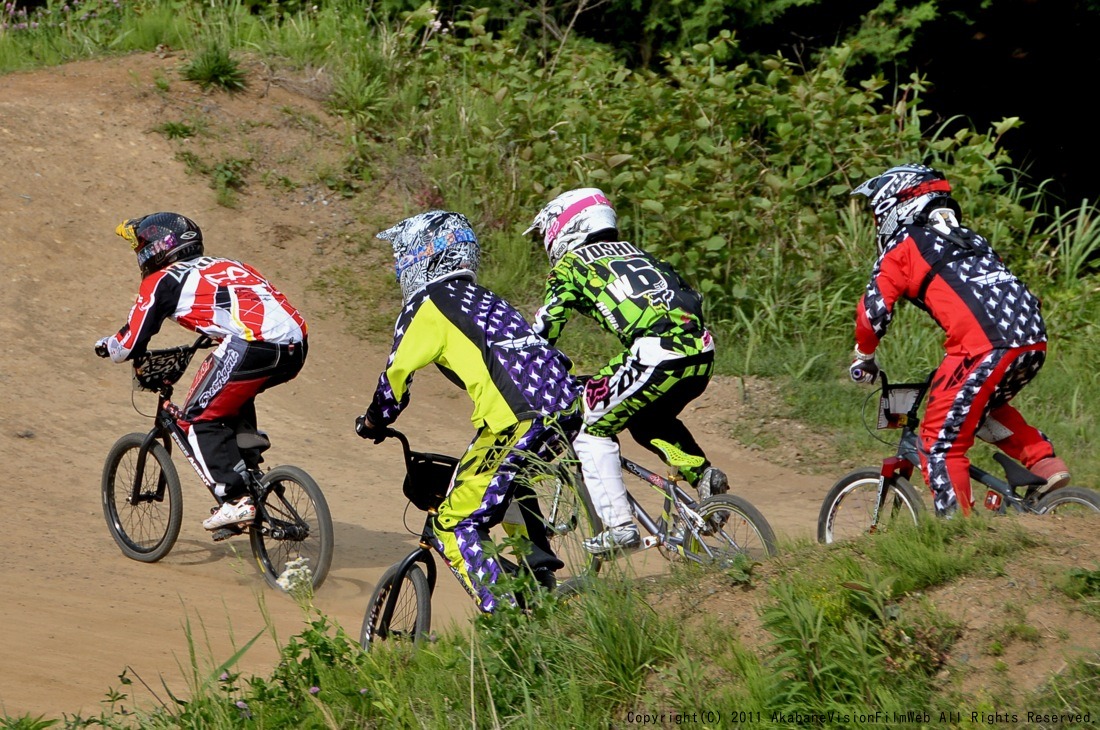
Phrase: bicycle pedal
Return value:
(224, 533)
(648, 541)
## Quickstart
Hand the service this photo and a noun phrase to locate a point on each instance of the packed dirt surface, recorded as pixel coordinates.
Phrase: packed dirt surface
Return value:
(81, 153)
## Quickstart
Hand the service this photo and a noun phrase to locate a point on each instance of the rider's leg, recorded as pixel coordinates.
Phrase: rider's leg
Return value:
(225, 386)
(1007, 429)
(658, 418)
(603, 476)
(959, 396)
(483, 485)
(213, 403)
(546, 440)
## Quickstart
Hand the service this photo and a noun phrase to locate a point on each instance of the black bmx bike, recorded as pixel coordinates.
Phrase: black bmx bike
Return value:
(143, 501)
(400, 607)
(872, 499)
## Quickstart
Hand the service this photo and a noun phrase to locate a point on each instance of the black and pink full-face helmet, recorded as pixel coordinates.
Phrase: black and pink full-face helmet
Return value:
(161, 239)
(903, 195)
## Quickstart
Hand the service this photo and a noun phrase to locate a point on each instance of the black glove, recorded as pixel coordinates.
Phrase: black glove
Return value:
(101, 348)
(368, 430)
(863, 369)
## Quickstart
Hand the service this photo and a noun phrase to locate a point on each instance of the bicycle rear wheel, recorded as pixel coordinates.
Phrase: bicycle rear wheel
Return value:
(299, 525)
(1069, 500)
(848, 509)
(412, 614)
(735, 530)
(145, 529)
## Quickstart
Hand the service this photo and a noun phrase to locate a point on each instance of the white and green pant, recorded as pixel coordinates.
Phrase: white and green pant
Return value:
(645, 400)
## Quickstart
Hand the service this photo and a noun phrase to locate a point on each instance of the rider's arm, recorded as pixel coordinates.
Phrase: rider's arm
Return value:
(561, 294)
(156, 301)
(889, 282)
(417, 342)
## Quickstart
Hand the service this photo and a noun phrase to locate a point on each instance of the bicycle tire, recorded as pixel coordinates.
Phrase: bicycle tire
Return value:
(293, 498)
(412, 617)
(848, 508)
(735, 528)
(148, 530)
(570, 519)
(1069, 499)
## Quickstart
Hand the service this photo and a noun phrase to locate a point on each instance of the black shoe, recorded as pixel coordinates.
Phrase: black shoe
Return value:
(545, 577)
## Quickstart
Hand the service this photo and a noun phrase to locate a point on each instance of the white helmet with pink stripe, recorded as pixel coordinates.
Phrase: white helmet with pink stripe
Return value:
(569, 219)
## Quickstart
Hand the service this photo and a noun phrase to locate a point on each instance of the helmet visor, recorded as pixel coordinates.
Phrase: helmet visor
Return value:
(127, 229)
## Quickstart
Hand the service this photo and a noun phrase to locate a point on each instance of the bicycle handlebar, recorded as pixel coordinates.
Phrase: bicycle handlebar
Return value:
(158, 370)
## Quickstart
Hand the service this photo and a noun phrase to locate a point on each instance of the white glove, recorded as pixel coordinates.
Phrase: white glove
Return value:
(101, 347)
(863, 369)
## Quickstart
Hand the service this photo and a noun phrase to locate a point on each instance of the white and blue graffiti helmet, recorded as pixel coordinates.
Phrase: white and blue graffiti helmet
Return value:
(569, 219)
(431, 246)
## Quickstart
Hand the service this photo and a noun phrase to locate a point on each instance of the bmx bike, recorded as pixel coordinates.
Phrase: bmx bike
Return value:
(400, 607)
(872, 499)
(143, 500)
(721, 530)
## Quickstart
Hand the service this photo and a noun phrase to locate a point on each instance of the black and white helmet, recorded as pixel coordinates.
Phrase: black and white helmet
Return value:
(904, 195)
(431, 246)
(569, 219)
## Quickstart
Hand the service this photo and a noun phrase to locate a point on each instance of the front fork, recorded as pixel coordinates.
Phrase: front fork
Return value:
(894, 467)
(156, 434)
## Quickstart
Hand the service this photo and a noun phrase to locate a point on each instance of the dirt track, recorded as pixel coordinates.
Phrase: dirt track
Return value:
(79, 156)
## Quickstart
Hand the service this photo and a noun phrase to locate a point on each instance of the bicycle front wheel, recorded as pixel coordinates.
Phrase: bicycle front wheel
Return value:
(734, 530)
(145, 527)
(1069, 500)
(411, 619)
(848, 510)
(298, 525)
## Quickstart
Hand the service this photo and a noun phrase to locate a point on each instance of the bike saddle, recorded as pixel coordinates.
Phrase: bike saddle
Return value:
(1016, 474)
(677, 457)
(253, 440)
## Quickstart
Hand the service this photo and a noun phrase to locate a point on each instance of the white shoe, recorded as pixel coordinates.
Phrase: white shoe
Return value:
(230, 513)
(614, 538)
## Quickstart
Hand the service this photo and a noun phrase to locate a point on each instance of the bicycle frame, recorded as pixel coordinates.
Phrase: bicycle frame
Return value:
(423, 553)
(167, 430)
(907, 457)
(675, 499)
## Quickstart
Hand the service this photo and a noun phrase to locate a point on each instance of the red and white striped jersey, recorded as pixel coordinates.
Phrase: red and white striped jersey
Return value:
(218, 297)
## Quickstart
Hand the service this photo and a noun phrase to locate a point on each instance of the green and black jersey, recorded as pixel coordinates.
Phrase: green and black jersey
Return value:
(631, 294)
(481, 343)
